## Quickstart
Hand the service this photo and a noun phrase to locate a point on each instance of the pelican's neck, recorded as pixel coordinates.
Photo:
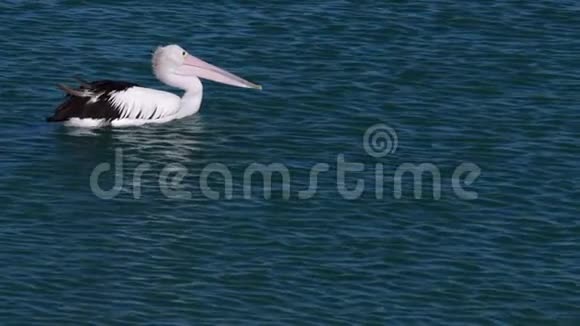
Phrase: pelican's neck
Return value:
(191, 99)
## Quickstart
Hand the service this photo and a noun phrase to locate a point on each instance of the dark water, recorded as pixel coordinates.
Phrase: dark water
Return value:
(490, 83)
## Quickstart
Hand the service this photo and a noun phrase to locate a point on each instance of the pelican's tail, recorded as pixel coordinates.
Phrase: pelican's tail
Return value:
(76, 98)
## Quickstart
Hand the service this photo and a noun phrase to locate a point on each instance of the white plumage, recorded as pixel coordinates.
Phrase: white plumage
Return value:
(145, 102)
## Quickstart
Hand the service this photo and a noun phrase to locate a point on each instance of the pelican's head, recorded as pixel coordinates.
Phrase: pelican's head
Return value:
(175, 67)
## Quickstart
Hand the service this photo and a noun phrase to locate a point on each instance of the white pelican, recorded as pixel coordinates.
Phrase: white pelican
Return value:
(113, 103)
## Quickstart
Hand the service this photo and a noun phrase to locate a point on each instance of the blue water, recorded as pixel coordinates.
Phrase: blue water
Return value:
(490, 84)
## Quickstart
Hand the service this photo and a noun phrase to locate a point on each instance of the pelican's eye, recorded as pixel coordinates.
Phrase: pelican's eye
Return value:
(183, 53)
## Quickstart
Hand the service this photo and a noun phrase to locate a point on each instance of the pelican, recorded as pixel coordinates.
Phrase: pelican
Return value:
(115, 103)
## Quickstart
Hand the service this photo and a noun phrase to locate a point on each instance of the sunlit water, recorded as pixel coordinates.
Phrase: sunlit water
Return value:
(491, 84)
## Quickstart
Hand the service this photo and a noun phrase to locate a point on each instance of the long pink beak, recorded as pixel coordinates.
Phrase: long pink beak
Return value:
(195, 66)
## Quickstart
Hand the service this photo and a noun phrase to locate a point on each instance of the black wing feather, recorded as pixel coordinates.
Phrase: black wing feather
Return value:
(89, 108)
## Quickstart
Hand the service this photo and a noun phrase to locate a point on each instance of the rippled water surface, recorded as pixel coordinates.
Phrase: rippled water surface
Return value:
(493, 84)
